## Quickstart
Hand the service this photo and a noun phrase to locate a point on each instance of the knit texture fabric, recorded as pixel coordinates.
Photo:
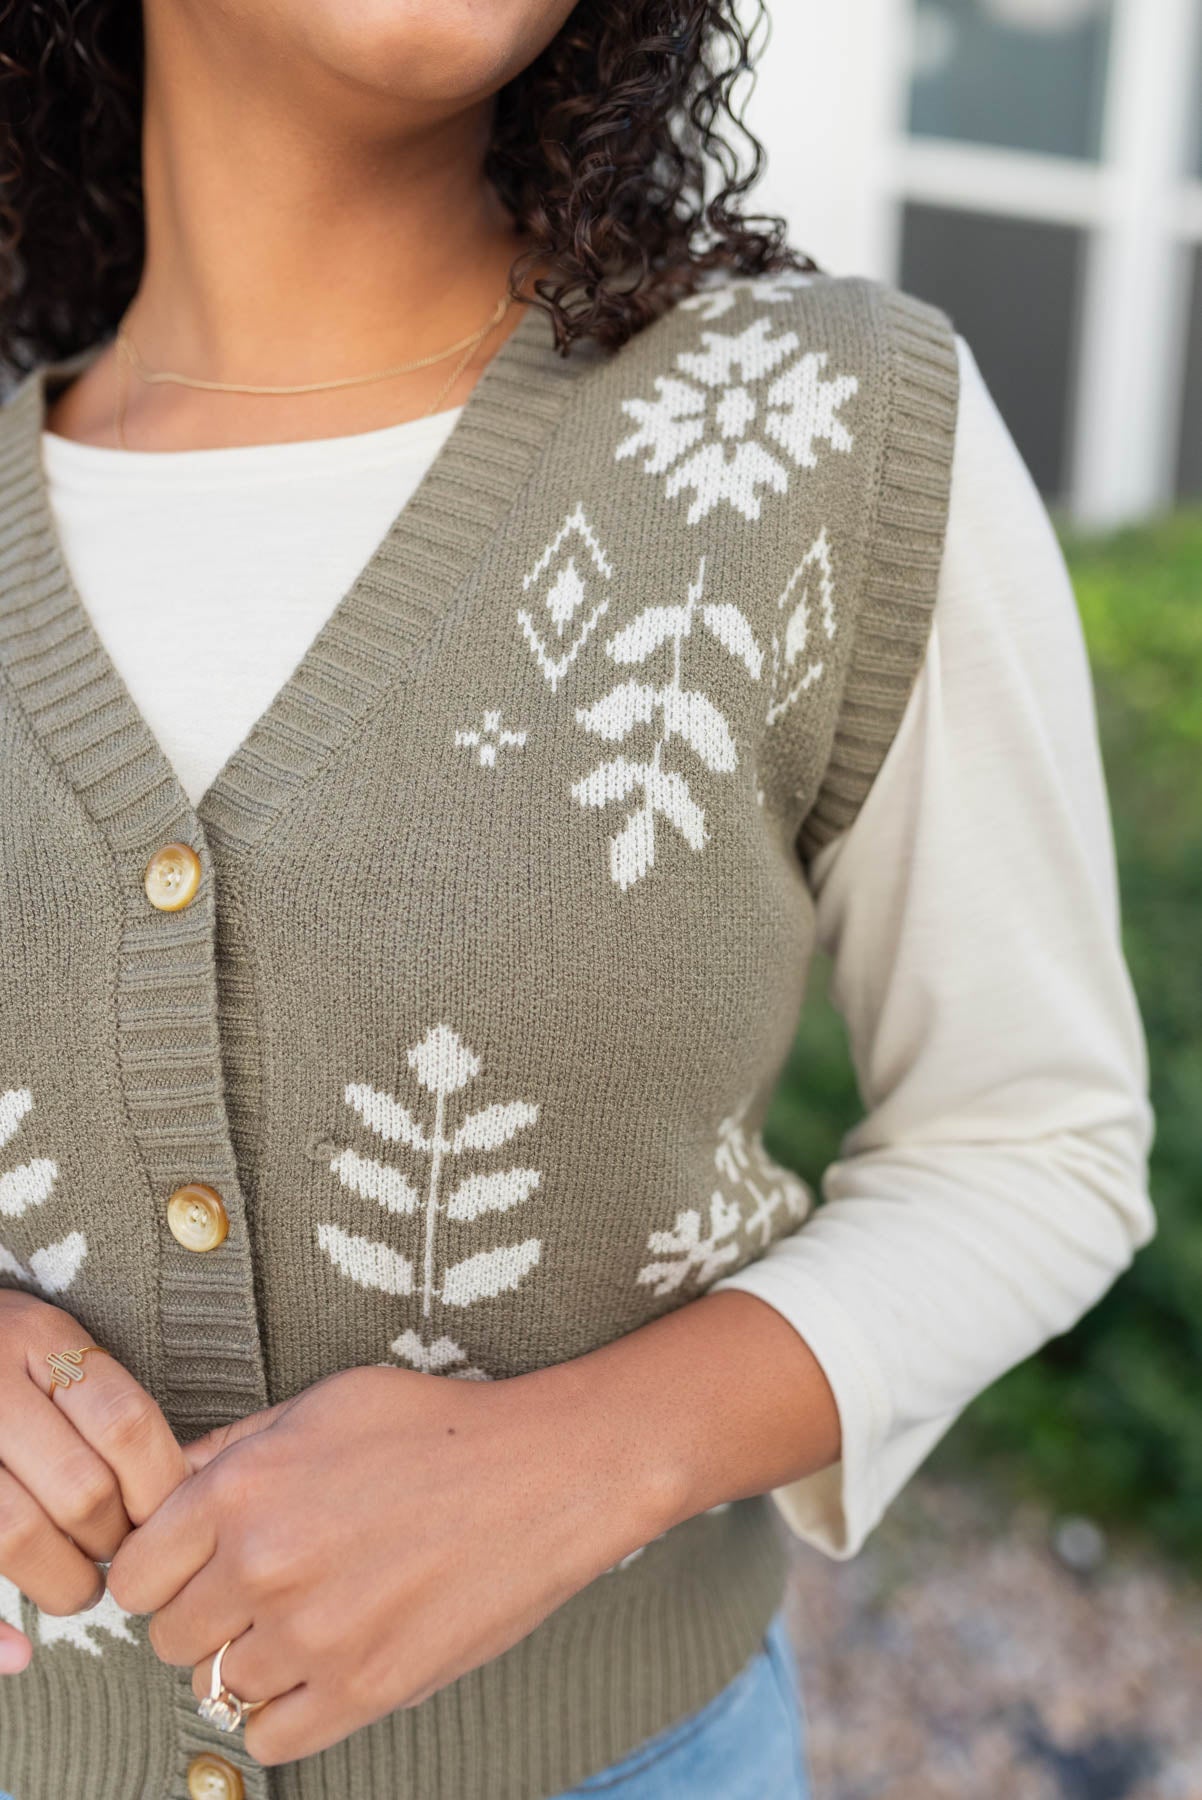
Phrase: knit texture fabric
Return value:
(498, 953)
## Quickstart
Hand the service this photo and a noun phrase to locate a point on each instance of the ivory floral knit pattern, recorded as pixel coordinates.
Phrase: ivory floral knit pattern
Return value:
(710, 429)
(679, 713)
(497, 955)
(88, 1631)
(752, 1194)
(50, 1268)
(736, 415)
(437, 1146)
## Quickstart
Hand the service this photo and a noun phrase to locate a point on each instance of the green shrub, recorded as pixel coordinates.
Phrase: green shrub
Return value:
(1107, 1419)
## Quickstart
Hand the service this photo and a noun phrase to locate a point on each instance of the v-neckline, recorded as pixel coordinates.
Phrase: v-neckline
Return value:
(76, 699)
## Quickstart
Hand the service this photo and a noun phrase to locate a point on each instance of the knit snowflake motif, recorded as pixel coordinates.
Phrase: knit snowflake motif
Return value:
(714, 299)
(696, 1250)
(692, 1250)
(707, 427)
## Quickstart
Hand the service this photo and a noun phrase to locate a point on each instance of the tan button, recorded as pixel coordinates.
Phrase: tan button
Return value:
(210, 1777)
(172, 877)
(197, 1217)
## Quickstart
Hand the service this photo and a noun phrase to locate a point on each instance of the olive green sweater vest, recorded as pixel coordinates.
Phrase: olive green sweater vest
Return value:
(497, 954)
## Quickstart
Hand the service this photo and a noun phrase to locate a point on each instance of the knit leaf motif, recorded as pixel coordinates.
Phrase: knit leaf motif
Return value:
(794, 670)
(718, 427)
(491, 1193)
(377, 1181)
(443, 1357)
(734, 633)
(53, 1267)
(490, 1272)
(443, 1066)
(694, 717)
(32, 1182)
(686, 715)
(369, 1264)
(615, 716)
(654, 626)
(385, 1116)
(494, 1126)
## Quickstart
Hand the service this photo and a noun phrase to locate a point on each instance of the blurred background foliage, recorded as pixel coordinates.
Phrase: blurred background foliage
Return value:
(1107, 1419)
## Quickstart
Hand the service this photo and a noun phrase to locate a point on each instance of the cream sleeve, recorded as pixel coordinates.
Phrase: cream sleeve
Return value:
(997, 1182)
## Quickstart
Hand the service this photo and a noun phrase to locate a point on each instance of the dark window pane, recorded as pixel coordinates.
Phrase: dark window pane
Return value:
(1011, 290)
(1189, 467)
(1026, 74)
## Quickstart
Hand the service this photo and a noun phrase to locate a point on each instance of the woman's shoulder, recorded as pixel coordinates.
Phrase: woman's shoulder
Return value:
(753, 385)
(756, 321)
(801, 358)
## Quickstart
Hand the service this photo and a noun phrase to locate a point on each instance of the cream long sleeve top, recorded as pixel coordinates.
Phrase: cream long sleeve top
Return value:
(996, 1183)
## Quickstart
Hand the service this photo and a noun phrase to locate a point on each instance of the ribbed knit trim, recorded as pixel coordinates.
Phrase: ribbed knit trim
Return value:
(103, 1727)
(903, 556)
(625, 1658)
(168, 1047)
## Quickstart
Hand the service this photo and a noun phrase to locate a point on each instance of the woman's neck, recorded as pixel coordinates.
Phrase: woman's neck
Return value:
(296, 231)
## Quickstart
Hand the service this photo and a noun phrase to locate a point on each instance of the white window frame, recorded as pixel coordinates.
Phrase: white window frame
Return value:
(831, 104)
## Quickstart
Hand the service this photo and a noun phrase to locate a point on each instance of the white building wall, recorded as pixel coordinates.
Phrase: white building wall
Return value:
(830, 106)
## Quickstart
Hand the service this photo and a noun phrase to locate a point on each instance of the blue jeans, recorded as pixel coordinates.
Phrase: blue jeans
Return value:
(748, 1743)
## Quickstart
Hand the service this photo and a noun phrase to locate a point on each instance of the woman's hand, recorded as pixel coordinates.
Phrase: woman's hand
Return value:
(385, 1531)
(77, 1469)
(372, 1539)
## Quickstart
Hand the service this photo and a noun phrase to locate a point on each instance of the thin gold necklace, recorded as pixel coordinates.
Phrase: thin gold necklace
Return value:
(128, 357)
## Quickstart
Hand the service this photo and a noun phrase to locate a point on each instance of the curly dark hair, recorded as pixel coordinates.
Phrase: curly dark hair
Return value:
(620, 152)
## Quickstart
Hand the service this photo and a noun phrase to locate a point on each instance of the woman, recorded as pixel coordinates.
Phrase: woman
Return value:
(436, 731)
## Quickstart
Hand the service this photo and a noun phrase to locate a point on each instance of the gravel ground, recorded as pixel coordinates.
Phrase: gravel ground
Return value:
(972, 1652)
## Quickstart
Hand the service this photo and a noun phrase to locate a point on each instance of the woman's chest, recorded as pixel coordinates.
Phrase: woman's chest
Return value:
(494, 1005)
(503, 999)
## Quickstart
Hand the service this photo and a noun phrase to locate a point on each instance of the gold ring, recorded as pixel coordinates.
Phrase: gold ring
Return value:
(221, 1707)
(65, 1367)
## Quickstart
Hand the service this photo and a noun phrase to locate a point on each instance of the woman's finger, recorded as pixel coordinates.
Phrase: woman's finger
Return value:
(34, 1554)
(160, 1557)
(15, 1650)
(202, 1615)
(74, 1486)
(126, 1427)
(257, 1666)
(203, 1450)
(299, 1723)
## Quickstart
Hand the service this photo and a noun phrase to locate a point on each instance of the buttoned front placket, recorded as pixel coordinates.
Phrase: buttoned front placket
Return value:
(168, 1045)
